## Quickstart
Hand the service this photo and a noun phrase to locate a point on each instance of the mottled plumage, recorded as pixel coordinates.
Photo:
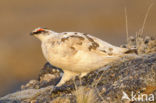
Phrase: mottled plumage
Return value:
(76, 53)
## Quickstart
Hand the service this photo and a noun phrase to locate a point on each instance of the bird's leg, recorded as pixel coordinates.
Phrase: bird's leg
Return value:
(66, 76)
(83, 74)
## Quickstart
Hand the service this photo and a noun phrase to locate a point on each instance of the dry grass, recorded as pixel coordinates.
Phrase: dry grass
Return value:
(126, 22)
(145, 19)
(61, 100)
(85, 95)
(141, 30)
(143, 44)
(151, 77)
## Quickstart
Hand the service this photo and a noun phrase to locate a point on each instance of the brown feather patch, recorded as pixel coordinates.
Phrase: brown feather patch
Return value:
(73, 36)
(94, 45)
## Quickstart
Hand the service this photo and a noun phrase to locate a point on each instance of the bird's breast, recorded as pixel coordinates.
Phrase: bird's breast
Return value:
(67, 59)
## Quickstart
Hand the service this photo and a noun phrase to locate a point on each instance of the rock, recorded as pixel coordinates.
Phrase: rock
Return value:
(24, 95)
(49, 75)
(128, 76)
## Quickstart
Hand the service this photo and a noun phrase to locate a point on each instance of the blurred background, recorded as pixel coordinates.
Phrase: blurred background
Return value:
(20, 54)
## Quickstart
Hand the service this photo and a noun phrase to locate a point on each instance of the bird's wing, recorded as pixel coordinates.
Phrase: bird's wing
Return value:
(107, 47)
(111, 49)
(86, 42)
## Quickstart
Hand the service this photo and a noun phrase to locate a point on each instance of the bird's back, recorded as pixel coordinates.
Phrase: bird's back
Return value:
(79, 52)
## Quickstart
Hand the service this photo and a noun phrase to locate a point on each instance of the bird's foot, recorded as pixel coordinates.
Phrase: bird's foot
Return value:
(63, 88)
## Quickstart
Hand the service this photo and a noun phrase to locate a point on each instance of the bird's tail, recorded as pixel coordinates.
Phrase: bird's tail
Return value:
(122, 51)
(126, 52)
(131, 51)
(123, 54)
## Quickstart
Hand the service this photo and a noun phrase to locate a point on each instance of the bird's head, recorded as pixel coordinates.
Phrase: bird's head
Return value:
(42, 33)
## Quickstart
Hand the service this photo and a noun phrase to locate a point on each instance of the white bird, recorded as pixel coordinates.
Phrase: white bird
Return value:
(76, 53)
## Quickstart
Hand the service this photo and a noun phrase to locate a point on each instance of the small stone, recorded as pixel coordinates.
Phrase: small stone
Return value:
(47, 77)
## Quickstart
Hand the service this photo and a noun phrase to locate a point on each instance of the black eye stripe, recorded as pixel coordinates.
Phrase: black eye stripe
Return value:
(38, 32)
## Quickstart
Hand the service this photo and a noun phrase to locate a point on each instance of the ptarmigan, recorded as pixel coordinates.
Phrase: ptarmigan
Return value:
(76, 53)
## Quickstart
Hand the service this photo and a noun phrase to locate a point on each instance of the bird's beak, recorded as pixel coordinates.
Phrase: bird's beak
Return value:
(31, 33)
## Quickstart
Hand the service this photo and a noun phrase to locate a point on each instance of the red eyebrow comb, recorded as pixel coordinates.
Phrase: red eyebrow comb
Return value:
(40, 29)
